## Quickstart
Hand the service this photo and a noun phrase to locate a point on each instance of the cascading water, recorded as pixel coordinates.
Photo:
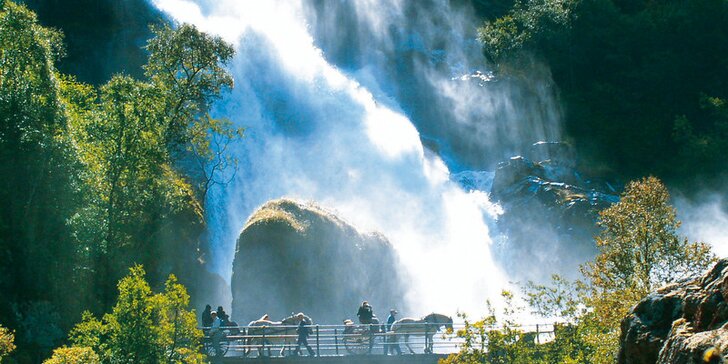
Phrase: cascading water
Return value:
(366, 107)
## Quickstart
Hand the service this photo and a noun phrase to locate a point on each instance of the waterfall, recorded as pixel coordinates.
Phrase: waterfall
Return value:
(367, 107)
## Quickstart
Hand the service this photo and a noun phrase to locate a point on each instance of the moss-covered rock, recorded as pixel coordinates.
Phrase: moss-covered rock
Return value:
(293, 256)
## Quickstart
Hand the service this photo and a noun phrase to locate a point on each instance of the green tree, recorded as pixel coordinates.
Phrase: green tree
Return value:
(616, 63)
(639, 251)
(110, 176)
(143, 327)
(497, 338)
(73, 355)
(185, 67)
(7, 342)
(37, 188)
(137, 140)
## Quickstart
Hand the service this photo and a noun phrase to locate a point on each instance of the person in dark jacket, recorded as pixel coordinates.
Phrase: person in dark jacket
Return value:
(303, 331)
(224, 317)
(207, 317)
(365, 313)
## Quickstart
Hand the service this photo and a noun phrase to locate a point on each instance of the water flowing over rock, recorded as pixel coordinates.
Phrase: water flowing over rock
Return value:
(679, 323)
(293, 257)
(550, 211)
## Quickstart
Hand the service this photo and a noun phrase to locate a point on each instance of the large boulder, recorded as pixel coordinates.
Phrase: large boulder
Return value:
(680, 323)
(296, 257)
(549, 212)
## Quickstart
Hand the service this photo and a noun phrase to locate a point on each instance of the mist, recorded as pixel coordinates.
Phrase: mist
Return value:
(705, 218)
(366, 107)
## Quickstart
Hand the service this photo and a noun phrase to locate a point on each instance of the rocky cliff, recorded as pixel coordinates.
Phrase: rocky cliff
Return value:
(549, 210)
(684, 322)
(293, 257)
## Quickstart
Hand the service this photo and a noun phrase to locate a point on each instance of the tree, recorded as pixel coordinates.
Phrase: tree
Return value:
(185, 66)
(73, 355)
(7, 344)
(143, 327)
(135, 138)
(639, 248)
(97, 179)
(614, 63)
(209, 143)
(639, 251)
(37, 188)
(497, 338)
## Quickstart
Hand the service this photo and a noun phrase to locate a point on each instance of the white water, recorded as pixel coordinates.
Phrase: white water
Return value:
(348, 135)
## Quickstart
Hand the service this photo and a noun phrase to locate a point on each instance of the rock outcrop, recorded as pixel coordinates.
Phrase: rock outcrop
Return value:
(684, 322)
(295, 257)
(550, 210)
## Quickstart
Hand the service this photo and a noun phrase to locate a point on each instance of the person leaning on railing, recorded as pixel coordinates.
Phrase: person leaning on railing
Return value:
(216, 333)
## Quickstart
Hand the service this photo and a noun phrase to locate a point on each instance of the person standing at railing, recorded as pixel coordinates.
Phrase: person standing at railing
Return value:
(216, 335)
(391, 343)
(303, 331)
(207, 317)
(223, 316)
(365, 313)
(366, 316)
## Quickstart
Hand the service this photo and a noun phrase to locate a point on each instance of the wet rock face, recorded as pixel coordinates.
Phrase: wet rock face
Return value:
(680, 322)
(550, 211)
(294, 257)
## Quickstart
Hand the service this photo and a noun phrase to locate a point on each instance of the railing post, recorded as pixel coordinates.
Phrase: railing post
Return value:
(336, 341)
(247, 341)
(262, 340)
(427, 332)
(318, 352)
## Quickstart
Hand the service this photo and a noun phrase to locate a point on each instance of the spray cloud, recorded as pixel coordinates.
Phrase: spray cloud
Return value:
(337, 98)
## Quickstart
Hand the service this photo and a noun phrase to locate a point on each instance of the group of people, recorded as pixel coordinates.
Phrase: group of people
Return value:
(215, 320)
(367, 317)
(209, 316)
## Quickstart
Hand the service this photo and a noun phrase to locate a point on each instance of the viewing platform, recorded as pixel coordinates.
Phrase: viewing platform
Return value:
(353, 359)
(417, 343)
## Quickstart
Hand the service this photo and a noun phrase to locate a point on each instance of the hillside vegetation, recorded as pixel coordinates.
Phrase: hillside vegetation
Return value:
(644, 83)
(98, 179)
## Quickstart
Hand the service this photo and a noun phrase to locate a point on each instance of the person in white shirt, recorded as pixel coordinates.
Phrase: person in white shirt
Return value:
(216, 334)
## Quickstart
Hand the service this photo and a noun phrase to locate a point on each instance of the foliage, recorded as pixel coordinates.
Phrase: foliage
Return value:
(644, 75)
(132, 138)
(73, 355)
(143, 327)
(209, 141)
(500, 339)
(129, 140)
(497, 338)
(638, 244)
(37, 169)
(7, 344)
(112, 176)
(639, 251)
(527, 24)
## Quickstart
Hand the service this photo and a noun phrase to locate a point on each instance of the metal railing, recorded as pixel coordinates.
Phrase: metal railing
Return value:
(339, 340)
